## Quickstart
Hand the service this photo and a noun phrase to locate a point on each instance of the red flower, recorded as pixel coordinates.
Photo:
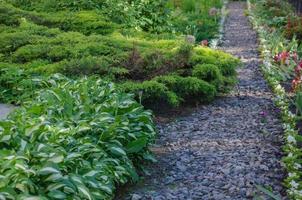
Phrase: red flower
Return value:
(284, 56)
(204, 43)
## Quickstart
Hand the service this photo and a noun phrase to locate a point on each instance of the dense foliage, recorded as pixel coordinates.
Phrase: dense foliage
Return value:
(34, 45)
(78, 135)
(75, 140)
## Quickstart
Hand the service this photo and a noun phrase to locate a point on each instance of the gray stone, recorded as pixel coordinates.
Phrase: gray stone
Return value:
(5, 110)
(136, 197)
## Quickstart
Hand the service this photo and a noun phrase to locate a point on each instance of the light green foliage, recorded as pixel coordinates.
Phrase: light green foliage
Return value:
(225, 62)
(75, 140)
(140, 14)
(209, 73)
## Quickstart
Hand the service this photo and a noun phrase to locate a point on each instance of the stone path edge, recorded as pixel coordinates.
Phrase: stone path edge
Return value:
(291, 134)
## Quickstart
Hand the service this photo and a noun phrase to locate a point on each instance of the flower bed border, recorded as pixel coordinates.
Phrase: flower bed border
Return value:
(291, 135)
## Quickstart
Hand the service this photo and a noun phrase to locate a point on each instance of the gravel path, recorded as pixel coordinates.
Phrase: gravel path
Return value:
(5, 110)
(222, 150)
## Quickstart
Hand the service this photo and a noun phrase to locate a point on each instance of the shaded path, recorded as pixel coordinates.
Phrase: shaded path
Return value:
(222, 150)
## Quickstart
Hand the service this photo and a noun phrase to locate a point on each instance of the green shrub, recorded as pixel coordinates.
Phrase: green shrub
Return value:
(30, 52)
(75, 140)
(86, 22)
(209, 73)
(227, 66)
(8, 16)
(189, 5)
(188, 88)
(151, 93)
(9, 42)
(225, 62)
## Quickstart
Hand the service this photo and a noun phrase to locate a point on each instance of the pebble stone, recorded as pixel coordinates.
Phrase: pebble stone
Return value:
(222, 150)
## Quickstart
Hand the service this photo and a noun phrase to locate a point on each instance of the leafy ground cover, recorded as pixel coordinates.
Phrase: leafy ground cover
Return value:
(78, 135)
(84, 39)
(75, 140)
(280, 44)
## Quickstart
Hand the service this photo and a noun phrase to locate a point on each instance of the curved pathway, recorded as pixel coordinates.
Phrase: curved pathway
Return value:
(222, 150)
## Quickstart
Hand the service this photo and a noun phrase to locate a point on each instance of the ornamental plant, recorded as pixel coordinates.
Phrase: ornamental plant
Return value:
(75, 140)
(297, 80)
(271, 40)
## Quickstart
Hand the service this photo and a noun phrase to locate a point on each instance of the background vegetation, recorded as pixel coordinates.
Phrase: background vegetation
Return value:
(130, 43)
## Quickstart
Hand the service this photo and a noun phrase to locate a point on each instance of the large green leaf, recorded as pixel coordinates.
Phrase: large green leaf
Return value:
(137, 145)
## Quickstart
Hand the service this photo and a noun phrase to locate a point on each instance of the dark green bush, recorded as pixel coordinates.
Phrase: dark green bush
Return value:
(86, 22)
(209, 73)
(189, 88)
(9, 42)
(151, 93)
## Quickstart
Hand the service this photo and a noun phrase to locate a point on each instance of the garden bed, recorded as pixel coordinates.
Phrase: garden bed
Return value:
(281, 53)
(145, 61)
(82, 134)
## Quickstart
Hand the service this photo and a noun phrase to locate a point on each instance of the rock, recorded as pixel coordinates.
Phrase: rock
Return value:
(136, 197)
(5, 110)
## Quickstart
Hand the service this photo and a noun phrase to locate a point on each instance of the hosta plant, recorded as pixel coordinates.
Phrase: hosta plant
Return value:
(75, 140)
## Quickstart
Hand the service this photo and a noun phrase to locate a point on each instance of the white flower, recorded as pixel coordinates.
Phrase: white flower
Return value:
(291, 139)
(290, 154)
(286, 126)
(291, 115)
(294, 184)
(297, 166)
(291, 174)
(279, 87)
(299, 192)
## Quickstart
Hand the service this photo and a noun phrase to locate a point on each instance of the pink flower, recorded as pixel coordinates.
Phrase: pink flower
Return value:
(295, 56)
(298, 69)
(282, 57)
(263, 113)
